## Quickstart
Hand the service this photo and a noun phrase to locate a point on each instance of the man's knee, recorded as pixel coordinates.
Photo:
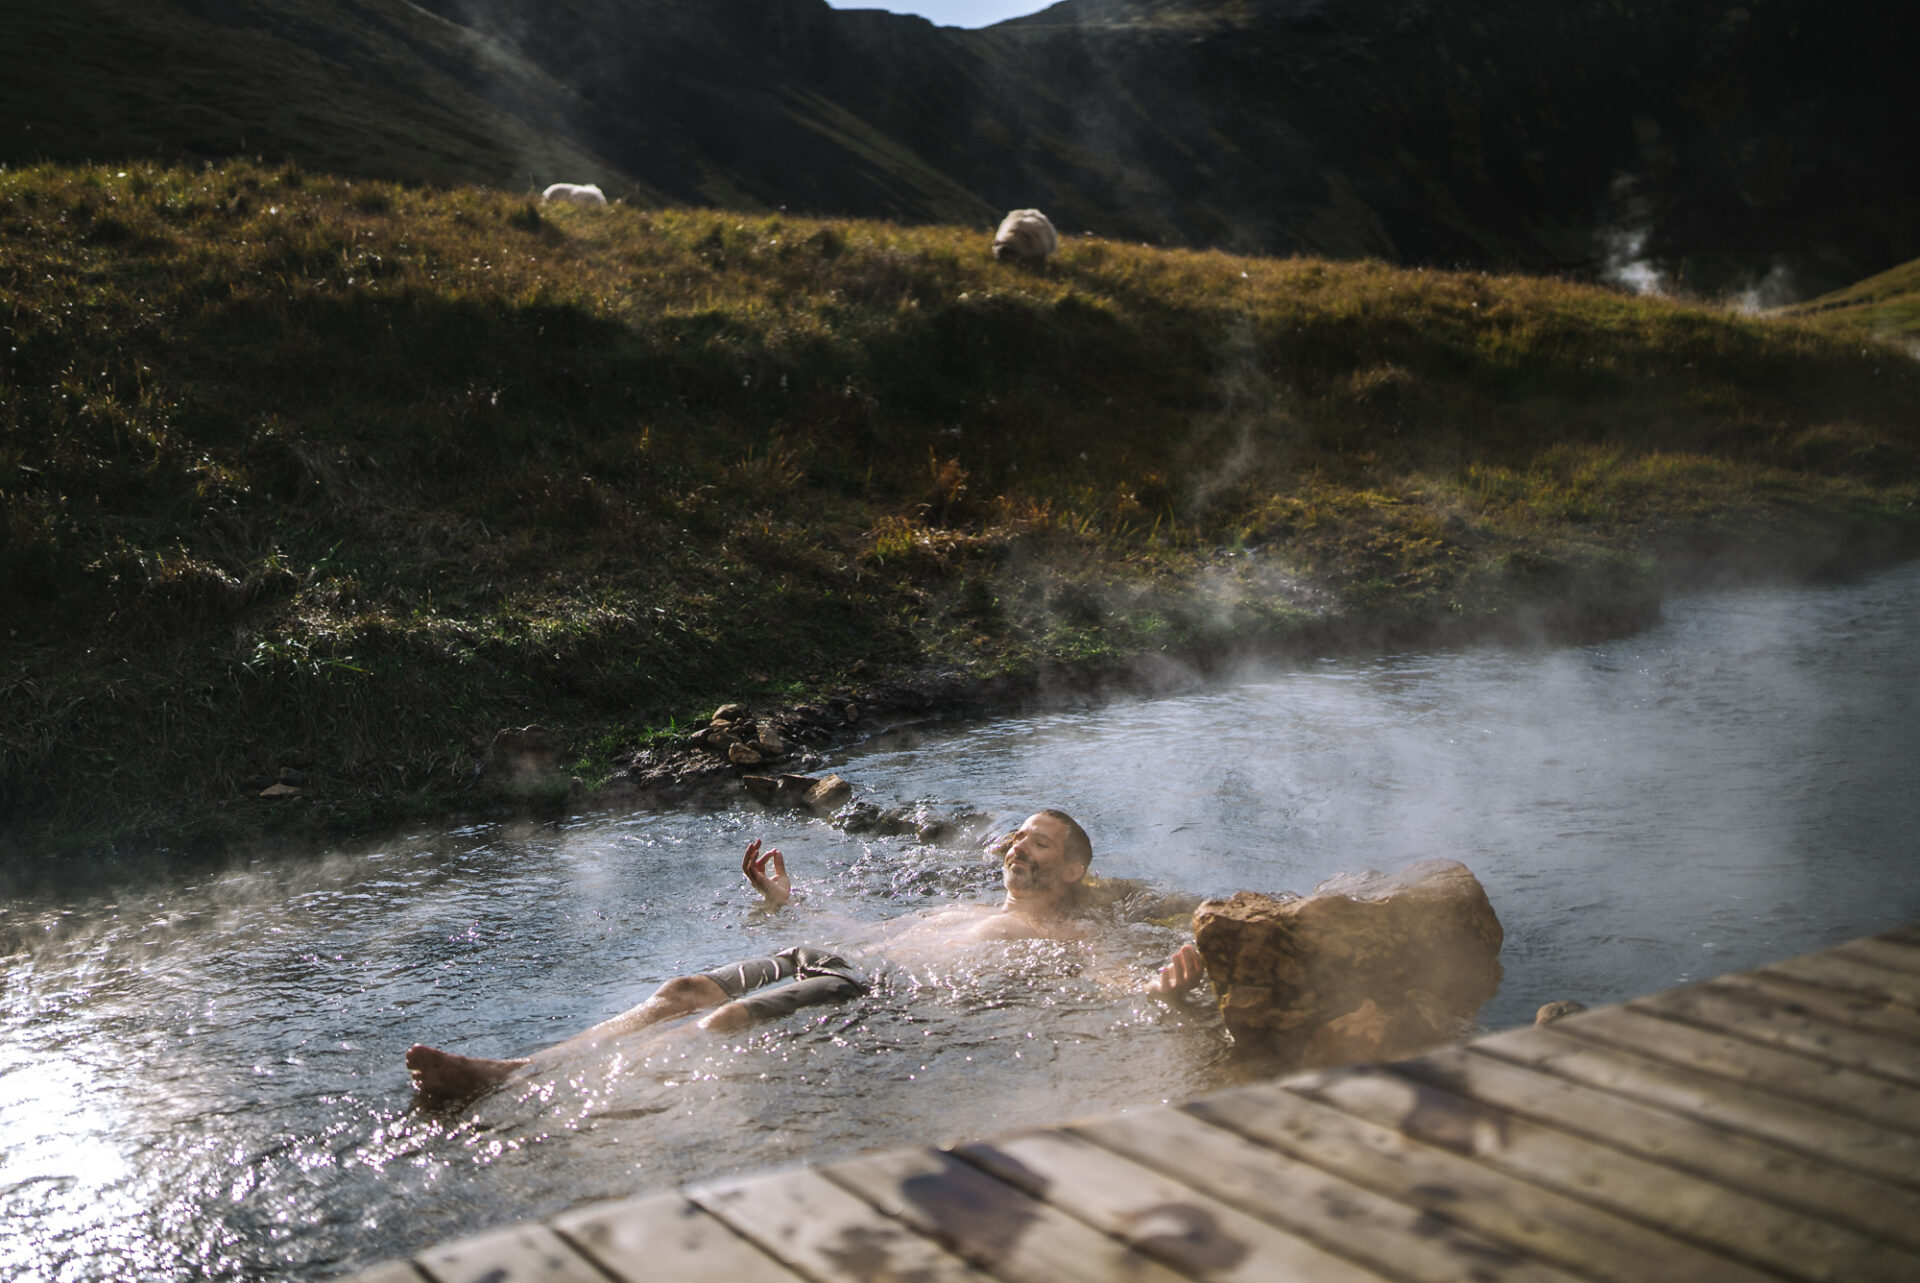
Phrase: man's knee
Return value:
(690, 993)
(734, 1015)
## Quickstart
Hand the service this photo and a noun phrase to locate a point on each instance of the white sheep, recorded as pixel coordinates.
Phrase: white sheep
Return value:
(574, 194)
(1025, 236)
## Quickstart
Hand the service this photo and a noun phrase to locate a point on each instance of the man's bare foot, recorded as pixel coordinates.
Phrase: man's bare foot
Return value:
(446, 1076)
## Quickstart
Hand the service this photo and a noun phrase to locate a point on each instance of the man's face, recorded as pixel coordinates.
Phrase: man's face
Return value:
(1037, 858)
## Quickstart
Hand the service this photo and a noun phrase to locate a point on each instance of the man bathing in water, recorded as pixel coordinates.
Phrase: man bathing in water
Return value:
(1041, 864)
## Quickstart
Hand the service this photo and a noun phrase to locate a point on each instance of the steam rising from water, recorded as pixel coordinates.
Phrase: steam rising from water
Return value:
(1776, 288)
(1710, 795)
(1623, 243)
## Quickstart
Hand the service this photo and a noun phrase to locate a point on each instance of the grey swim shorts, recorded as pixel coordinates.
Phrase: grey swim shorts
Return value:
(818, 977)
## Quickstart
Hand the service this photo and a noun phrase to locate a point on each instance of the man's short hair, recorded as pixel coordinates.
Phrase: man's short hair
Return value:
(1079, 845)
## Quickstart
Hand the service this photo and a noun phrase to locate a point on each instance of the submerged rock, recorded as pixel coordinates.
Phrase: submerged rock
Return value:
(909, 821)
(1370, 966)
(798, 791)
(865, 817)
(1373, 1032)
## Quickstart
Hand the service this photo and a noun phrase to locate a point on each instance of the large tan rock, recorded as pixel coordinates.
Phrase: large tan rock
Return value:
(827, 794)
(1370, 966)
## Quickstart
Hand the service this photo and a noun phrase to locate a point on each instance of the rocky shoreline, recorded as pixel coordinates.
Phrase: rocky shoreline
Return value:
(774, 752)
(771, 752)
(768, 750)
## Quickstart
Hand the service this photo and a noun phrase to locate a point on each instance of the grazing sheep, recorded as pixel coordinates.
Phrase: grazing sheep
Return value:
(574, 194)
(1025, 236)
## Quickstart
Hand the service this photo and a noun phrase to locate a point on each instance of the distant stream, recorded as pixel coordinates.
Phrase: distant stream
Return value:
(200, 1074)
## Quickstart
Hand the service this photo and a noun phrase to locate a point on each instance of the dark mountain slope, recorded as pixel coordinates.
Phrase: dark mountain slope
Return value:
(375, 88)
(1715, 142)
(1721, 139)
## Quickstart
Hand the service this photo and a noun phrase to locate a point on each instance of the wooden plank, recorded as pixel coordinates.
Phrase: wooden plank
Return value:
(1536, 1222)
(1730, 1159)
(1860, 1011)
(1392, 1237)
(1855, 1143)
(521, 1254)
(389, 1272)
(1163, 1218)
(665, 1237)
(1728, 1058)
(1764, 1234)
(989, 1222)
(1908, 934)
(820, 1229)
(1835, 971)
(1890, 954)
(1762, 1015)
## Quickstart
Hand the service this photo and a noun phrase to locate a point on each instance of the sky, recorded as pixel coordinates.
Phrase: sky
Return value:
(952, 13)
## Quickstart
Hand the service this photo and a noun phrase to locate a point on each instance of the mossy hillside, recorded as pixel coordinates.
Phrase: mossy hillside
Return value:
(344, 476)
(1886, 306)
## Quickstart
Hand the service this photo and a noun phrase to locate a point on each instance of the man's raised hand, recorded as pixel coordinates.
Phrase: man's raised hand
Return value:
(768, 873)
(1182, 972)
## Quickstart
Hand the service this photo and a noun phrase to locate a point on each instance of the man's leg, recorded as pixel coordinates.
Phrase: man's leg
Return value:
(819, 977)
(452, 1076)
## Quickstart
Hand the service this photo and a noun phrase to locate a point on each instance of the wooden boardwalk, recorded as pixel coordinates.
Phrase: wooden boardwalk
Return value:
(1761, 1126)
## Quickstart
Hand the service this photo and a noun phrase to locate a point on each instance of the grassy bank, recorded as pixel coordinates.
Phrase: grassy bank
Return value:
(343, 477)
(1884, 307)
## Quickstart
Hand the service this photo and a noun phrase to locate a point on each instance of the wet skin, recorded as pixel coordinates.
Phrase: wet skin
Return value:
(1037, 869)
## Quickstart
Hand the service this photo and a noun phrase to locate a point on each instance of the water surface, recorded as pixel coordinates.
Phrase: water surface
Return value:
(200, 1074)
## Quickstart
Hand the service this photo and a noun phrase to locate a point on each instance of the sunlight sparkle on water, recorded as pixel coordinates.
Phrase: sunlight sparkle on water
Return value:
(60, 1170)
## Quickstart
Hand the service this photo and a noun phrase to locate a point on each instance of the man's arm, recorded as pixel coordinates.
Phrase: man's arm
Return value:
(768, 874)
(1183, 971)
